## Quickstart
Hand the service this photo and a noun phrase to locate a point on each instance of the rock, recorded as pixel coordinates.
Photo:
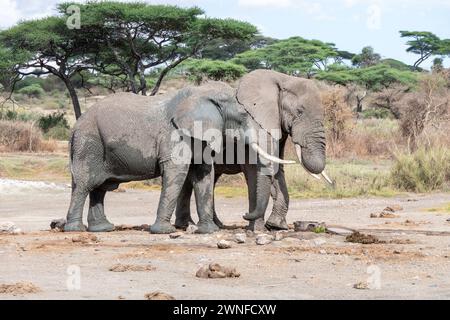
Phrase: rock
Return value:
(158, 295)
(85, 238)
(448, 219)
(132, 268)
(224, 244)
(240, 237)
(263, 239)
(339, 231)
(322, 251)
(393, 208)
(319, 241)
(191, 229)
(300, 226)
(216, 271)
(361, 286)
(279, 235)
(374, 215)
(9, 228)
(388, 215)
(175, 235)
(58, 224)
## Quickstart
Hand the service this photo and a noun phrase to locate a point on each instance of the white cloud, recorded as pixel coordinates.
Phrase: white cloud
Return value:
(265, 3)
(8, 13)
(373, 17)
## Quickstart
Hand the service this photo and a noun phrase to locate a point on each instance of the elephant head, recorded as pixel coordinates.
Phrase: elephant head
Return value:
(208, 112)
(291, 105)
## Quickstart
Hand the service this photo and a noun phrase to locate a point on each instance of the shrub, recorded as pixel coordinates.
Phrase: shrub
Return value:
(32, 91)
(53, 120)
(21, 136)
(213, 69)
(338, 118)
(424, 170)
(14, 115)
(58, 133)
(376, 113)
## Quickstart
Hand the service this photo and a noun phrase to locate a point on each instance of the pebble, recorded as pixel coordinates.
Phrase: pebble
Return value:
(240, 237)
(224, 244)
(191, 229)
(263, 239)
(9, 228)
(175, 235)
(279, 235)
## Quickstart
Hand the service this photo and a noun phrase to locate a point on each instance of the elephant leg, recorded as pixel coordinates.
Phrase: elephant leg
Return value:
(97, 221)
(173, 179)
(216, 218)
(183, 211)
(204, 197)
(75, 214)
(280, 196)
(251, 174)
(263, 186)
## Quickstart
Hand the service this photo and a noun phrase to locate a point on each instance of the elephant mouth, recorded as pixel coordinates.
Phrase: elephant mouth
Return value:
(323, 174)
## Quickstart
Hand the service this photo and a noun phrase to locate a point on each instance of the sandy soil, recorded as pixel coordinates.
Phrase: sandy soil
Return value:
(413, 260)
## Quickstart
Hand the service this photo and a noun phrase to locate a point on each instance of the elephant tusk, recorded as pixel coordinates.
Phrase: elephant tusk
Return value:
(267, 156)
(298, 149)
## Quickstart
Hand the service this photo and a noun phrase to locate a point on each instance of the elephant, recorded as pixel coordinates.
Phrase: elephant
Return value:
(276, 103)
(127, 137)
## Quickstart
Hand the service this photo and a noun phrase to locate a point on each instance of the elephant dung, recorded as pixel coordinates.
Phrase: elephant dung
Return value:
(263, 239)
(158, 295)
(216, 271)
(224, 244)
(240, 237)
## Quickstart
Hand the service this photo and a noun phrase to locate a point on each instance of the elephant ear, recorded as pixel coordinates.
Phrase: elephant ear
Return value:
(197, 113)
(259, 93)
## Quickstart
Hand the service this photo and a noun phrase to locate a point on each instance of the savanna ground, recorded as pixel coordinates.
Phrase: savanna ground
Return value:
(410, 260)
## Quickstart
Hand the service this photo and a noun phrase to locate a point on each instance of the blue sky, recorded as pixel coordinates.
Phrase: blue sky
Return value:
(350, 24)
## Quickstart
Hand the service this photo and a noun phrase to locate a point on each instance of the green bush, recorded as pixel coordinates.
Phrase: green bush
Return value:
(23, 116)
(424, 170)
(58, 133)
(213, 69)
(34, 90)
(53, 120)
(377, 113)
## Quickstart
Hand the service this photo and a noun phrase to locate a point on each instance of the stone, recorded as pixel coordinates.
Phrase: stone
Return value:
(340, 231)
(191, 229)
(240, 237)
(216, 271)
(58, 224)
(263, 239)
(85, 238)
(393, 208)
(158, 295)
(361, 286)
(279, 235)
(224, 244)
(302, 226)
(9, 228)
(175, 235)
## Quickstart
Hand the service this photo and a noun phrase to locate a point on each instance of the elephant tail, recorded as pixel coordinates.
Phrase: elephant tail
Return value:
(71, 146)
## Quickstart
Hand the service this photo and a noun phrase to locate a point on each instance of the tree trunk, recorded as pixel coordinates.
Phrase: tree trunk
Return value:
(73, 96)
(164, 73)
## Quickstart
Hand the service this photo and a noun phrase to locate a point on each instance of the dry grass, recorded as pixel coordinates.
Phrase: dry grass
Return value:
(23, 136)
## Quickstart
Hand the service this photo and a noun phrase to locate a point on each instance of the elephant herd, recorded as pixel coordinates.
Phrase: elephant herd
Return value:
(192, 137)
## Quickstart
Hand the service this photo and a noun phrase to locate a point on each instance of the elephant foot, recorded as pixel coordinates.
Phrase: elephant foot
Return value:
(257, 225)
(218, 222)
(251, 216)
(75, 226)
(162, 228)
(183, 223)
(101, 226)
(276, 222)
(207, 227)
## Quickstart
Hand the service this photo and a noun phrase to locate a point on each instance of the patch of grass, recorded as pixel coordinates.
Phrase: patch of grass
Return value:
(320, 229)
(35, 167)
(425, 170)
(444, 209)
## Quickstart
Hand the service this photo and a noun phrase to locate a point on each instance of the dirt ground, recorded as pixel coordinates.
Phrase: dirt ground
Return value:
(411, 260)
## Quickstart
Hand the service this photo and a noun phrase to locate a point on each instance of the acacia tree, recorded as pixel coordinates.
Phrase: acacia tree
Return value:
(368, 57)
(425, 44)
(132, 38)
(51, 48)
(295, 56)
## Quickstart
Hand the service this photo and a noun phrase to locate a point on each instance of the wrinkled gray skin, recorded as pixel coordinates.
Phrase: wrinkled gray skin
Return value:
(127, 137)
(274, 101)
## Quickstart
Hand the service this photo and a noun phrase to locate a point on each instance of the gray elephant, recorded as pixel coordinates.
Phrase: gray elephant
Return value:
(127, 137)
(276, 103)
